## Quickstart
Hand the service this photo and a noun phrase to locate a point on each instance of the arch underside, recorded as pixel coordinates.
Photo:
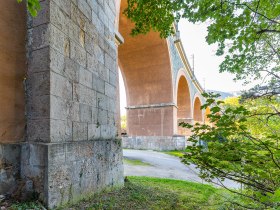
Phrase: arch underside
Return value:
(197, 112)
(146, 68)
(183, 105)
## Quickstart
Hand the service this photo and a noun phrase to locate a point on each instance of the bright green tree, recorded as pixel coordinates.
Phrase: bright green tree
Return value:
(243, 146)
(33, 6)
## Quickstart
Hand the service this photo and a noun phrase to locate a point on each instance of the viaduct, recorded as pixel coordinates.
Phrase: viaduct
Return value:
(59, 97)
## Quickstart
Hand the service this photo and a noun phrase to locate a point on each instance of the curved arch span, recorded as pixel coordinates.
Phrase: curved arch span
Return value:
(146, 68)
(183, 101)
(197, 112)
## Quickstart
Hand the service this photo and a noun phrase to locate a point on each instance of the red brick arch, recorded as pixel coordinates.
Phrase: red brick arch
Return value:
(146, 68)
(197, 112)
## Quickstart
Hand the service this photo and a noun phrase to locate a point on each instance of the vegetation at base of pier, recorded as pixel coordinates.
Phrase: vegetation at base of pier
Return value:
(156, 193)
(242, 145)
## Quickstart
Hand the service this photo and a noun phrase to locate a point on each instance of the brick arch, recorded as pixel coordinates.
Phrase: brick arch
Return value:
(182, 95)
(183, 101)
(206, 119)
(145, 64)
(197, 112)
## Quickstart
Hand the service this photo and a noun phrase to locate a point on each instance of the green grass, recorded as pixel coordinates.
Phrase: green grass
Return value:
(155, 193)
(26, 205)
(135, 162)
(175, 153)
(152, 193)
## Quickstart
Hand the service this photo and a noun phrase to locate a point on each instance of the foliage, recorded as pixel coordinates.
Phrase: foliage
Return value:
(155, 193)
(27, 205)
(33, 6)
(247, 32)
(243, 146)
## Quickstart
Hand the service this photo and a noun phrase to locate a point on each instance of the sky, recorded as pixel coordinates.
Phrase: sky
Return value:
(206, 63)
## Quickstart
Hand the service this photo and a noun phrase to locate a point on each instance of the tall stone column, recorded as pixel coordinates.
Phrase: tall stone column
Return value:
(71, 149)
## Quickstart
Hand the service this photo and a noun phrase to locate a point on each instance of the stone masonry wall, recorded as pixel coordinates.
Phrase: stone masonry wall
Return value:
(158, 143)
(72, 148)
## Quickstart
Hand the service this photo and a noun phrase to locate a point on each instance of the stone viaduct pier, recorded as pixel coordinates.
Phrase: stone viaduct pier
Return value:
(59, 97)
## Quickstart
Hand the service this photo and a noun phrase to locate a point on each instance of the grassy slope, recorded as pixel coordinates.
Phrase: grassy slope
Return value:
(175, 153)
(155, 193)
(135, 162)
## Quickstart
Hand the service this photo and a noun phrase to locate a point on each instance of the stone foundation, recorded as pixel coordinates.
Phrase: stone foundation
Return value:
(66, 172)
(160, 143)
(9, 167)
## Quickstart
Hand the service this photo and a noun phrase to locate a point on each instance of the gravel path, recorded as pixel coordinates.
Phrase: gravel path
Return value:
(163, 166)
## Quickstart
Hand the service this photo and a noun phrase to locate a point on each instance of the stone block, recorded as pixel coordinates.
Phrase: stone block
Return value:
(78, 54)
(39, 60)
(61, 86)
(71, 70)
(110, 63)
(90, 42)
(85, 8)
(78, 17)
(102, 117)
(85, 113)
(99, 53)
(38, 130)
(80, 131)
(38, 107)
(84, 95)
(57, 61)
(94, 115)
(43, 15)
(93, 5)
(9, 167)
(60, 130)
(100, 84)
(58, 18)
(113, 78)
(110, 90)
(65, 6)
(93, 131)
(39, 37)
(60, 108)
(85, 77)
(74, 33)
(38, 84)
(102, 101)
(92, 63)
(103, 72)
(58, 39)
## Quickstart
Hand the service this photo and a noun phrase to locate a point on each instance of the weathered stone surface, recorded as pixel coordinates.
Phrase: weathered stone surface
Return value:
(71, 149)
(159, 143)
(9, 167)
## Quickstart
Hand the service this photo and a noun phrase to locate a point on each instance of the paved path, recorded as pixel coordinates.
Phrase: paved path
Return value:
(163, 166)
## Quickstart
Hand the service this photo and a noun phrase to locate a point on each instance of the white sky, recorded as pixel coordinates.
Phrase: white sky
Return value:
(206, 63)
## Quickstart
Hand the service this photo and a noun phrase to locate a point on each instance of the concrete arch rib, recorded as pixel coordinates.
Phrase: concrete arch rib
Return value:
(145, 65)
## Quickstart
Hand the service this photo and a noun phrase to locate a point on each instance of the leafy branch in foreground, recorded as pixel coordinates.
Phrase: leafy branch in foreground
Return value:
(242, 145)
(33, 6)
(247, 32)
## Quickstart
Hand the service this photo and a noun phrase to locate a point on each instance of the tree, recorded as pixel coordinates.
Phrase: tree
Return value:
(247, 32)
(243, 146)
